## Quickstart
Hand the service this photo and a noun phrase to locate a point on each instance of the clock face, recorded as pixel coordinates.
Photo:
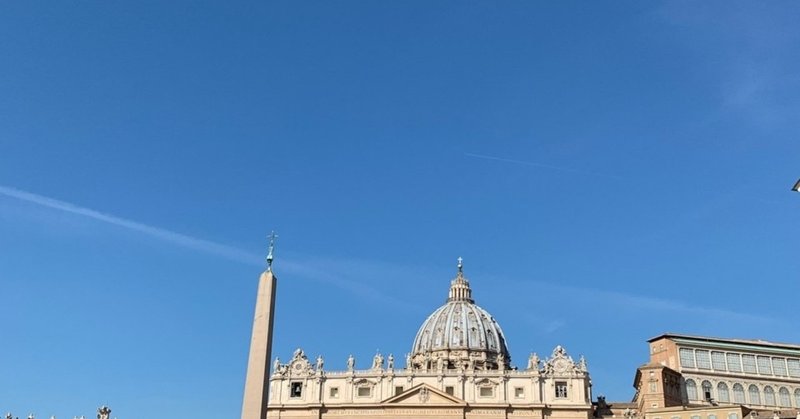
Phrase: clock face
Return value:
(298, 366)
(561, 365)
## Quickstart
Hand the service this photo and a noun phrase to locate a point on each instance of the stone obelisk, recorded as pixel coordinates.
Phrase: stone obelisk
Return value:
(256, 386)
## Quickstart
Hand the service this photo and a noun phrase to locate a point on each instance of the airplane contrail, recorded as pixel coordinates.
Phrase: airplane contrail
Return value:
(294, 268)
(534, 164)
(184, 240)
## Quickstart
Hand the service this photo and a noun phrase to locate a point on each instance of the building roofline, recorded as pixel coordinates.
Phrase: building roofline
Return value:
(711, 339)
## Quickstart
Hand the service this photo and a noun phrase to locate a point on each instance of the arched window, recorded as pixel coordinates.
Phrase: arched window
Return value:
(755, 395)
(769, 396)
(797, 398)
(706, 386)
(722, 393)
(785, 399)
(738, 394)
(691, 390)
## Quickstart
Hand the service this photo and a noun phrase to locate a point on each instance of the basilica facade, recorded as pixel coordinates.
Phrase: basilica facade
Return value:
(459, 367)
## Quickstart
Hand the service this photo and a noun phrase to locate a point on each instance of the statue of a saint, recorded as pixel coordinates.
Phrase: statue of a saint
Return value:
(408, 361)
(390, 362)
(377, 361)
(533, 361)
(276, 367)
(320, 362)
(501, 362)
(582, 364)
(103, 412)
(351, 363)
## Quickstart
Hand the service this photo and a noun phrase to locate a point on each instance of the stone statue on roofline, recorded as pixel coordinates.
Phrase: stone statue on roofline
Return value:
(377, 361)
(103, 412)
(533, 361)
(582, 366)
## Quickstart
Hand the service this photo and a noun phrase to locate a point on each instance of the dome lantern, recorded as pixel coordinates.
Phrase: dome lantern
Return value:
(459, 287)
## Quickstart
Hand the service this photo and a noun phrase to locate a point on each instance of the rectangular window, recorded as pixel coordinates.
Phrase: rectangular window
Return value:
(733, 416)
(749, 363)
(334, 392)
(794, 367)
(398, 390)
(695, 416)
(764, 366)
(779, 366)
(687, 357)
(296, 390)
(561, 389)
(734, 363)
(718, 361)
(519, 392)
(364, 391)
(450, 390)
(486, 391)
(703, 360)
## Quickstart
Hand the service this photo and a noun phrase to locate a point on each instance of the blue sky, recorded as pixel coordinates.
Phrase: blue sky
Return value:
(608, 170)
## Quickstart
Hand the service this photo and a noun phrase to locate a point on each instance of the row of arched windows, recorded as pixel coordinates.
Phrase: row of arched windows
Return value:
(723, 394)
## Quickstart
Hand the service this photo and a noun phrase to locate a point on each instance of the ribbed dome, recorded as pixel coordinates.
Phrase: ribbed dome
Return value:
(460, 332)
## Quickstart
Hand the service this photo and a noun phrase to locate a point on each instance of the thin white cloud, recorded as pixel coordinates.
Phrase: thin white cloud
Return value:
(661, 304)
(750, 59)
(534, 164)
(307, 269)
(611, 299)
(183, 240)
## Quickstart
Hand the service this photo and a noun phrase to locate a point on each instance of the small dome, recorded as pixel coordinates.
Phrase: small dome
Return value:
(460, 334)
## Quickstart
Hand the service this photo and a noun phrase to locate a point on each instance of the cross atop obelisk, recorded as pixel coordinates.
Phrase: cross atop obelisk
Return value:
(272, 236)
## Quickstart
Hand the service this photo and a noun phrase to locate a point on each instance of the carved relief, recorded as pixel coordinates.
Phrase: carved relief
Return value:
(299, 365)
(560, 363)
(424, 396)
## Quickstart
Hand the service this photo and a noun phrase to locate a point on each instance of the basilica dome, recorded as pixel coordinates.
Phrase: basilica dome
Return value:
(460, 334)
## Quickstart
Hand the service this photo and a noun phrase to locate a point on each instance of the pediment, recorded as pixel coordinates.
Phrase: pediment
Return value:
(423, 394)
